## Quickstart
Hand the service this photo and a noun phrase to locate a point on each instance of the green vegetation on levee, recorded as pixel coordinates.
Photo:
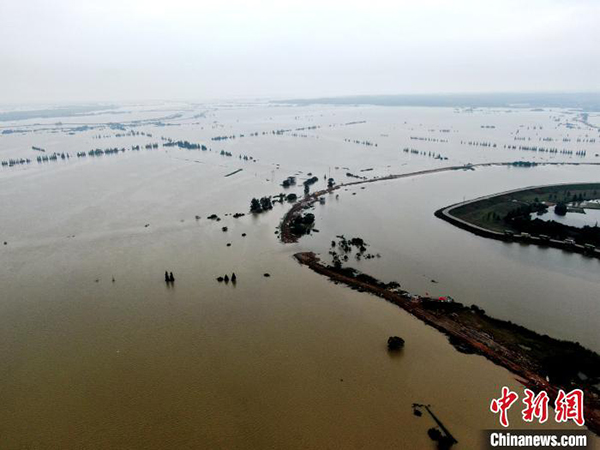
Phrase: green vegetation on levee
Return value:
(512, 211)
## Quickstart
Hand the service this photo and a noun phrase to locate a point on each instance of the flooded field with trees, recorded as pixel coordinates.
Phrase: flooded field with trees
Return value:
(97, 203)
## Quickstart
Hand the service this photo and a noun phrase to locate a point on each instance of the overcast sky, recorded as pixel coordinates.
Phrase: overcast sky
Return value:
(79, 50)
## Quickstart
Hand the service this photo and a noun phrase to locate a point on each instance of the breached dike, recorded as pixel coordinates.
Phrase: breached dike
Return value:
(539, 361)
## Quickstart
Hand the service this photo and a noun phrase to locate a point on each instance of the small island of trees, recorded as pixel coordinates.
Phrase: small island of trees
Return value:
(260, 205)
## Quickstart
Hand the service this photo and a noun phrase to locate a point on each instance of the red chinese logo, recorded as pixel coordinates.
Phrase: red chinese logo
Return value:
(502, 404)
(567, 406)
(535, 406)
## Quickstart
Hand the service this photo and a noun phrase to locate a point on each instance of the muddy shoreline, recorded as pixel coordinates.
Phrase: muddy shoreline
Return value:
(470, 330)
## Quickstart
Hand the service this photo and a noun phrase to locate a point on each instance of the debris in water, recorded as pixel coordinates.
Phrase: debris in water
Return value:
(440, 434)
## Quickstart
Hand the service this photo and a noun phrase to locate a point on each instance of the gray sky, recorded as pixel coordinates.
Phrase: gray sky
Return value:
(78, 50)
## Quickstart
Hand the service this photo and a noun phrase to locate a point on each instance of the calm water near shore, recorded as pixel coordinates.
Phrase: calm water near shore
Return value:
(589, 218)
(289, 361)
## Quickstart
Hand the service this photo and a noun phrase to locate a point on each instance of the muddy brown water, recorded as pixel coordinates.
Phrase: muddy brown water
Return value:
(289, 361)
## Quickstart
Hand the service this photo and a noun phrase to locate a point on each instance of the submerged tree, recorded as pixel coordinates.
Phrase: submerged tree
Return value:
(260, 205)
(266, 203)
(255, 205)
(560, 209)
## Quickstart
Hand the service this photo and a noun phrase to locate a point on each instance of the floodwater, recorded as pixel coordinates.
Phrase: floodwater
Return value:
(552, 291)
(288, 361)
(589, 217)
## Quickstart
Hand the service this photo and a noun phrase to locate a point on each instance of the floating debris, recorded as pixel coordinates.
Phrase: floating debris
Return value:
(441, 435)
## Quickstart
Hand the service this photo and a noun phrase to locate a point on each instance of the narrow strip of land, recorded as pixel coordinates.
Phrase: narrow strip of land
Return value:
(540, 362)
(233, 173)
(287, 236)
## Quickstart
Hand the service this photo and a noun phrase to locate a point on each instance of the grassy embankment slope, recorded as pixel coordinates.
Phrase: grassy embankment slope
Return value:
(489, 212)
